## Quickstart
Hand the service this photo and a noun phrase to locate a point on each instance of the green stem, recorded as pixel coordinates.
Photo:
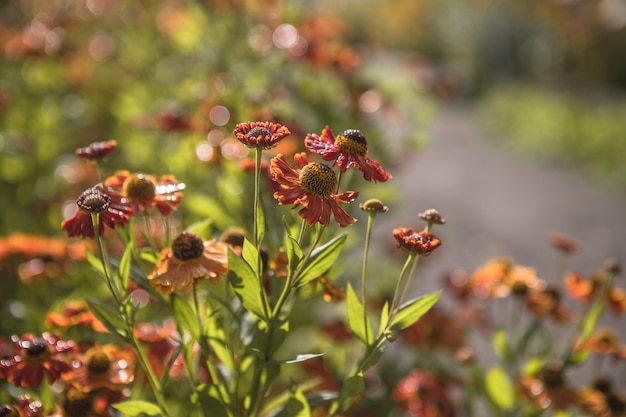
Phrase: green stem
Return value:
(409, 280)
(95, 220)
(368, 237)
(405, 267)
(257, 200)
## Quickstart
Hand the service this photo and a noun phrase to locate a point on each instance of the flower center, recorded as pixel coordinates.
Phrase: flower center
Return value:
(77, 403)
(36, 351)
(318, 179)
(352, 141)
(139, 187)
(258, 133)
(9, 411)
(187, 246)
(93, 201)
(98, 363)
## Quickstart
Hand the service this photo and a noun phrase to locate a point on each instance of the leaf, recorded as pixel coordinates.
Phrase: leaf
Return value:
(360, 327)
(207, 397)
(260, 223)
(499, 388)
(374, 357)
(203, 228)
(125, 262)
(384, 318)
(251, 255)
(294, 251)
(411, 311)
(322, 259)
(352, 387)
(302, 358)
(591, 319)
(186, 317)
(297, 404)
(95, 263)
(136, 408)
(247, 286)
(109, 317)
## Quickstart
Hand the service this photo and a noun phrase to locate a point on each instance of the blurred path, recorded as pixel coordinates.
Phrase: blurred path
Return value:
(499, 203)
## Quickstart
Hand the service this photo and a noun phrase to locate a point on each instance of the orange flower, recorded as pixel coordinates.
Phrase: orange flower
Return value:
(585, 290)
(189, 261)
(546, 302)
(105, 368)
(75, 313)
(23, 407)
(548, 389)
(312, 187)
(138, 192)
(97, 150)
(422, 243)
(262, 135)
(603, 341)
(348, 150)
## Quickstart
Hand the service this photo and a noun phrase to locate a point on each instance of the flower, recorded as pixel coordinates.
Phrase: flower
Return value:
(94, 201)
(187, 262)
(75, 313)
(548, 388)
(422, 394)
(349, 149)
(432, 216)
(103, 368)
(563, 243)
(138, 192)
(25, 406)
(97, 150)
(312, 187)
(262, 135)
(422, 243)
(586, 290)
(374, 206)
(35, 356)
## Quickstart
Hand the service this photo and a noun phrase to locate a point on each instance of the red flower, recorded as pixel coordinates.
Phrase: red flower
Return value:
(94, 201)
(97, 150)
(263, 135)
(139, 192)
(24, 407)
(313, 187)
(422, 394)
(35, 356)
(105, 368)
(422, 243)
(349, 149)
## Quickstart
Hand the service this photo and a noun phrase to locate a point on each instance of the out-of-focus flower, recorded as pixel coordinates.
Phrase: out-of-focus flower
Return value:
(95, 201)
(312, 187)
(347, 150)
(586, 290)
(436, 330)
(139, 192)
(97, 150)
(548, 388)
(337, 331)
(547, 302)
(161, 340)
(488, 280)
(189, 261)
(603, 341)
(74, 313)
(102, 368)
(563, 243)
(373, 205)
(332, 293)
(23, 407)
(422, 242)
(262, 135)
(432, 216)
(34, 357)
(422, 394)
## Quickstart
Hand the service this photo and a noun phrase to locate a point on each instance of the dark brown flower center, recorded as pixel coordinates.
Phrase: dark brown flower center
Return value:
(139, 187)
(77, 403)
(552, 377)
(98, 363)
(187, 246)
(36, 351)
(9, 411)
(93, 201)
(352, 141)
(318, 179)
(258, 133)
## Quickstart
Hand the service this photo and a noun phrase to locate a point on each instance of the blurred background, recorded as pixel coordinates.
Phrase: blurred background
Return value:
(507, 116)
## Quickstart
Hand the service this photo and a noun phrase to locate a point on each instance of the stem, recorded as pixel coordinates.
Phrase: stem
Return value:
(95, 219)
(370, 226)
(257, 200)
(408, 283)
(409, 261)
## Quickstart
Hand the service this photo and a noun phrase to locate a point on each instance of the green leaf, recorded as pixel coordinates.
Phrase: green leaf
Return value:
(294, 251)
(352, 387)
(136, 408)
(411, 311)
(149, 255)
(125, 262)
(109, 317)
(591, 319)
(322, 259)
(500, 345)
(251, 256)
(203, 228)
(297, 405)
(260, 223)
(499, 388)
(384, 318)
(208, 398)
(95, 263)
(361, 328)
(374, 357)
(185, 316)
(302, 357)
(246, 285)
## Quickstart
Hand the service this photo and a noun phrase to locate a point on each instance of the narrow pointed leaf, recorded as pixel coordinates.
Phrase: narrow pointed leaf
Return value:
(207, 397)
(352, 387)
(137, 408)
(125, 262)
(384, 318)
(247, 285)
(411, 311)
(297, 405)
(95, 263)
(109, 317)
(499, 388)
(186, 317)
(356, 319)
(322, 259)
(260, 223)
(251, 256)
(302, 358)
